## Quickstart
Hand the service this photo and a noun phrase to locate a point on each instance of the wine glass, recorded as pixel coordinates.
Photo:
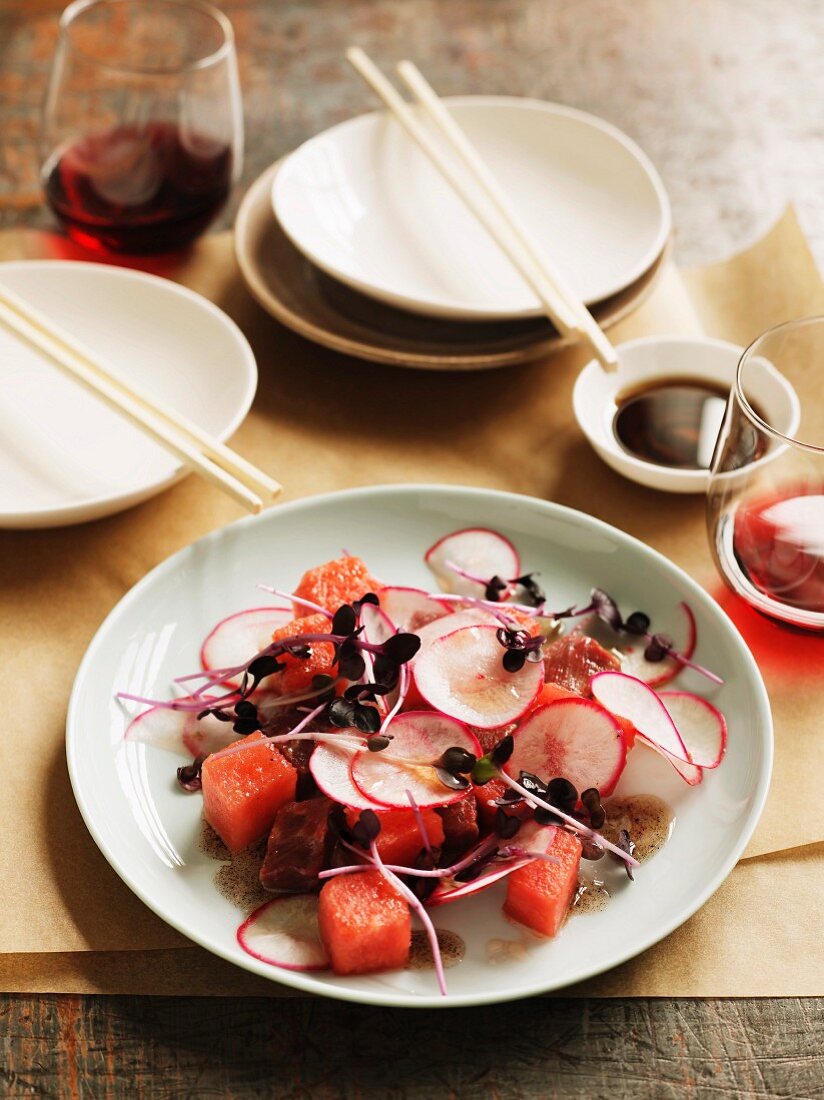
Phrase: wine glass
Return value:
(765, 503)
(143, 127)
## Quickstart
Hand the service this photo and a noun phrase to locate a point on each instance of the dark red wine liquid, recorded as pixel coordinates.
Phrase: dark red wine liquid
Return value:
(139, 188)
(779, 545)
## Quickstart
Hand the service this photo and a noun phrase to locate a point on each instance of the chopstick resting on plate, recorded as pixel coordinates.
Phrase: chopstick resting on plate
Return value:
(205, 455)
(481, 193)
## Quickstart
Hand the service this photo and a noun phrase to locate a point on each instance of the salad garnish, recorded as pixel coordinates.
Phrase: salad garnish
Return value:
(440, 752)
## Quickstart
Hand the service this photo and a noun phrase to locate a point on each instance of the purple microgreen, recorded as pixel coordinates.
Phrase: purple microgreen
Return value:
(483, 771)
(591, 850)
(627, 846)
(417, 905)
(637, 623)
(369, 598)
(520, 647)
(310, 605)
(578, 826)
(506, 825)
(345, 714)
(457, 761)
(345, 620)
(487, 849)
(189, 775)
(658, 647)
(420, 823)
(591, 799)
(606, 608)
(502, 751)
(496, 589)
(534, 593)
(366, 829)
(452, 782)
(562, 793)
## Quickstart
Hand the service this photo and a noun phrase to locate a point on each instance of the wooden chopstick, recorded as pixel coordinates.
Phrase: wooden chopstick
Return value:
(554, 307)
(207, 456)
(582, 319)
(569, 315)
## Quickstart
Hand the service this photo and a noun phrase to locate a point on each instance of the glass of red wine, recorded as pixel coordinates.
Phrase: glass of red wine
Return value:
(765, 504)
(143, 127)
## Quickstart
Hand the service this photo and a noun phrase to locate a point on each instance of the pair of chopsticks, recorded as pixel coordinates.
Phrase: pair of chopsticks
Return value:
(569, 315)
(205, 455)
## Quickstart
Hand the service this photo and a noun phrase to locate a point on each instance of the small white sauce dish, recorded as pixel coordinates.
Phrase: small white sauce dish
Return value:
(654, 358)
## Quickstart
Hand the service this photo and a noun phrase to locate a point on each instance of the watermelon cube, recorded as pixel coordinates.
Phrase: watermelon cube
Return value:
(400, 840)
(242, 791)
(364, 924)
(540, 894)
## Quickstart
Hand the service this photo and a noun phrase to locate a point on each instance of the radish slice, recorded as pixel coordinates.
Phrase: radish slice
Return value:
(471, 616)
(443, 894)
(180, 732)
(702, 727)
(656, 673)
(330, 769)
(377, 626)
(574, 739)
(634, 700)
(477, 550)
(410, 608)
(416, 736)
(239, 637)
(638, 703)
(463, 676)
(285, 933)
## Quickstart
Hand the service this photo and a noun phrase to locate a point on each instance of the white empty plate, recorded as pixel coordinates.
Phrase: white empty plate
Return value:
(364, 204)
(64, 456)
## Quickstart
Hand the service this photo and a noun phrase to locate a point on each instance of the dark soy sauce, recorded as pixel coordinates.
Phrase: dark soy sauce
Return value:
(673, 422)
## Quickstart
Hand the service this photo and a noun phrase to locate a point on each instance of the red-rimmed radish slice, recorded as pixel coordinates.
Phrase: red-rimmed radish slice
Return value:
(702, 727)
(237, 638)
(476, 550)
(180, 731)
(410, 608)
(416, 736)
(377, 626)
(439, 628)
(330, 768)
(631, 698)
(574, 739)
(635, 701)
(656, 673)
(462, 675)
(443, 894)
(284, 932)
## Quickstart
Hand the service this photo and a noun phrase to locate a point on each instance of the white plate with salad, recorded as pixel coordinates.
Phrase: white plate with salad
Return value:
(537, 706)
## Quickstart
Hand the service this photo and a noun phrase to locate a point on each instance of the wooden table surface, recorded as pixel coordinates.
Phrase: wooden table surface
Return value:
(727, 100)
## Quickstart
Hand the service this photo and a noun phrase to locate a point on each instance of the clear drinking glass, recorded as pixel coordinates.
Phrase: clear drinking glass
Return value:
(765, 504)
(143, 126)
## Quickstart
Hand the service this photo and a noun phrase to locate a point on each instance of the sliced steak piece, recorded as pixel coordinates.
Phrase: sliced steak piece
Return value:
(298, 847)
(572, 661)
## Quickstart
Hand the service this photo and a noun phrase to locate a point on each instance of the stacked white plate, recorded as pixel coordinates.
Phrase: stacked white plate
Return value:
(363, 205)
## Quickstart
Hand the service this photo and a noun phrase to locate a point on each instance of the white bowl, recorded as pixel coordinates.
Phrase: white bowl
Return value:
(65, 457)
(365, 205)
(659, 357)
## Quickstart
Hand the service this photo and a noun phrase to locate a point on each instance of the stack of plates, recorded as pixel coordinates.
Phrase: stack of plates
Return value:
(356, 242)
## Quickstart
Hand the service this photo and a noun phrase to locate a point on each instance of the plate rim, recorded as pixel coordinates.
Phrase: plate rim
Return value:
(107, 504)
(309, 984)
(466, 312)
(543, 346)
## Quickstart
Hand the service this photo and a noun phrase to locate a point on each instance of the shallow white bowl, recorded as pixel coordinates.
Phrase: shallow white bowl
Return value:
(149, 830)
(364, 204)
(649, 358)
(64, 456)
